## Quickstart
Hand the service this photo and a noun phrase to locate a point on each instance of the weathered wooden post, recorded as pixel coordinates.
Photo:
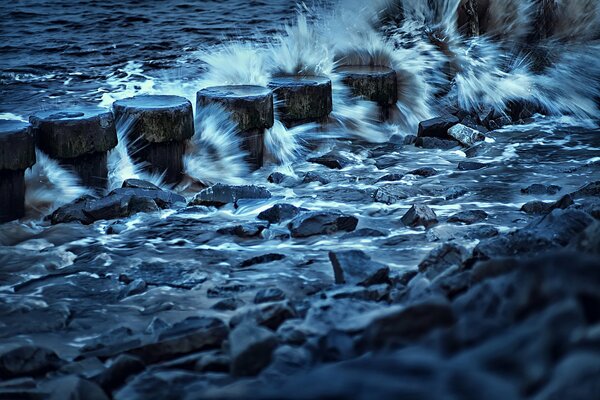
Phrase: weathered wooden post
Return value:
(250, 107)
(302, 99)
(79, 139)
(157, 128)
(17, 153)
(374, 83)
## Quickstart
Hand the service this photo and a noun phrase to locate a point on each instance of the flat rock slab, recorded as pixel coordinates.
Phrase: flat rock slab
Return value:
(321, 223)
(354, 267)
(251, 107)
(155, 118)
(302, 98)
(75, 132)
(219, 195)
(377, 83)
(437, 127)
(17, 145)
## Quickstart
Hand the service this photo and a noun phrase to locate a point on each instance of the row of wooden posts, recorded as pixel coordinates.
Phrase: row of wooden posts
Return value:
(157, 127)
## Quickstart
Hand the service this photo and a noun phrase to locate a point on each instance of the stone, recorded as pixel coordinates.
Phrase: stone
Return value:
(79, 139)
(465, 135)
(315, 177)
(302, 99)
(321, 223)
(385, 149)
(478, 149)
(251, 348)
(425, 172)
(390, 178)
(262, 259)
(592, 189)
(333, 160)
(575, 377)
(437, 127)
(541, 207)
(161, 384)
(470, 165)
(270, 315)
(28, 360)
(230, 304)
(250, 107)
(468, 217)
(119, 370)
(156, 128)
(441, 259)
(393, 193)
(539, 189)
(75, 388)
(354, 267)
(385, 162)
(283, 180)
(268, 295)
(220, 194)
(436, 143)
(409, 139)
(420, 215)
(17, 145)
(279, 213)
(250, 230)
(291, 332)
(139, 184)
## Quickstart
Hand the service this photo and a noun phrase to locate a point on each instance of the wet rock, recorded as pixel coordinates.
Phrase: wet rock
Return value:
(191, 334)
(589, 240)
(139, 184)
(393, 193)
(425, 172)
(333, 160)
(420, 215)
(347, 195)
(268, 295)
(409, 139)
(436, 143)
(290, 332)
(136, 287)
(437, 127)
(470, 165)
(385, 150)
(315, 177)
(251, 348)
(281, 179)
(478, 149)
(499, 123)
(539, 189)
(213, 362)
(28, 360)
(592, 189)
(229, 304)
(465, 135)
(75, 388)
(279, 213)
(262, 259)
(364, 233)
(72, 212)
(385, 162)
(390, 178)
(354, 267)
(575, 377)
(468, 217)
(250, 230)
(220, 194)
(119, 370)
(540, 207)
(116, 228)
(441, 259)
(269, 315)
(160, 384)
(321, 223)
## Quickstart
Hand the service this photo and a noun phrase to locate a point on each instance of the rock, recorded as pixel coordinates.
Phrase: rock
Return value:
(478, 149)
(436, 143)
(385, 150)
(137, 286)
(470, 165)
(279, 213)
(251, 348)
(161, 384)
(420, 215)
(588, 241)
(28, 360)
(575, 377)
(424, 172)
(333, 160)
(116, 228)
(302, 99)
(281, 179)
(268, 295)
(539, 189)
(290, 332)
(119, 370)
(393, 193)
(441, 259)
(321, 223)
(540, 207)
(465, 135)
(219, 195)
(437, 127)
(75, 388)
(190, 335)
(230, 304)
(72, 212)
(262, 259)
(270, 315)
(365, 233)
(592, 189)
(250, 230)
(410, 139)
(139, 184)
(314, 177)
(390, 178)
(354, 267)
(499, 123)
(468, 217)
(385, 162)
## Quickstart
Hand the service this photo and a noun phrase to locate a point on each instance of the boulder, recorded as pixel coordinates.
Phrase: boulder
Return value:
(437, 127)
(468, 217)
(220, 194)
(119, 370)
(425, 172)
(436, 143)
(139, 184)
(321, 223)
(28, 360)
(390, 178)
(465, 135)
(420, 215)
(539, 189)
(393, 193)
(354, 267)
(470, 165)
(250, 348)
(315, 177)
(333, 160)
(279, 213)
(441, 259)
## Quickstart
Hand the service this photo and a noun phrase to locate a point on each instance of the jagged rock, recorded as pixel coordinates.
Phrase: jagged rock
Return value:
(139, 184)
(279, 213)
(251, 348)
(321, 223)
(499, 123)
(162, 198)
(468, 217)
(393, 193)
(268, 295)
(72, 212)
(423, 171)
(290, 332)
(470, 165)
(270, 315)
(478, 149)
(118, 371)
(465, 135)
(315, 177)
(28, 360)
(333, 160)
(442, 258)
(281, 179)
(219, 195)
(420, 215)
(409, 139)
(436, 143)
(354, 267)
(539, 189)
(437, 127)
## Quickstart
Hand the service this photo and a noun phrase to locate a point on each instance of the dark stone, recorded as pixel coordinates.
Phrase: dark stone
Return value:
(592, 189)
(437, 127)
(139, 184)
(321, 223)
(441, 259)
(385, 150)
(333, 160)
(262, 259)
(539, 189)
(374, 83)
(390, 178)
(354, 267)
(28, 360)
(119, 370)
(116, 228)
(279, 213)
(393, 193)
(499, 123)
(465, 135)
(230, 304)
(315, 177)
(575, 377)
(17, 146)
(270, 315)
(268, 295)
(384, 162)
(424, 171)
(219, 195)
(290, 332)
(436, 143)
(470, 165)
(75, 388)
(410, 139)
(468, 217)
(249, 230)
(540, 207)
(364, 233)
(251, 348)
(282, 179)
(420, 215)
(301, 99)
(160, 384)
